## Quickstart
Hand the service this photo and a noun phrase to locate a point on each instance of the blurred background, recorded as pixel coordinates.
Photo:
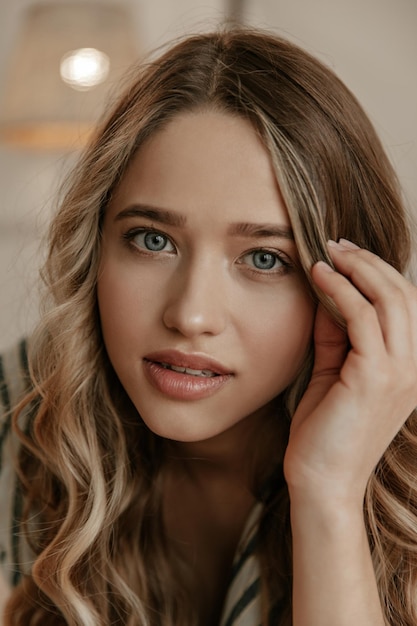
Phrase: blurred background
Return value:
(59, 60)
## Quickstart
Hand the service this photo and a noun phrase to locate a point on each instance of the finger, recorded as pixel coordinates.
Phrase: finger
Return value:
(362, 322)
(330, 344)
(330, 348)
(365, 269)
(393, 297)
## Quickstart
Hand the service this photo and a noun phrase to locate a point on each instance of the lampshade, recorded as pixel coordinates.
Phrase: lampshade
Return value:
(67, 57)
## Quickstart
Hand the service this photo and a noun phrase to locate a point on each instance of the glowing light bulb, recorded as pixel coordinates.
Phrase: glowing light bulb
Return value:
(84, 68)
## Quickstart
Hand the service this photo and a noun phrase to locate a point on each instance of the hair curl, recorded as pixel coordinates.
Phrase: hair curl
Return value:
(90, 469)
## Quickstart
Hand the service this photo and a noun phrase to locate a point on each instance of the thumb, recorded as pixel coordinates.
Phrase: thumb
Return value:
(330, 349)
(330, 345)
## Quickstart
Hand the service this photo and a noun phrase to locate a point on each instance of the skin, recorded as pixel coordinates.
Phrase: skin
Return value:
(355, 404)
(202, 296)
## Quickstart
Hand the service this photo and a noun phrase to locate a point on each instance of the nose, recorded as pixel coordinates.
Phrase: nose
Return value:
(197, 301)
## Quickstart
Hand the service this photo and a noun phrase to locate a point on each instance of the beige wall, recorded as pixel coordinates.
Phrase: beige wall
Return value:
(371, 44)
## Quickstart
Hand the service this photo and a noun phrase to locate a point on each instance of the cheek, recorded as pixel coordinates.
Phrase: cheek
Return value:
(281, 335)
(121, 301)
(118, 303)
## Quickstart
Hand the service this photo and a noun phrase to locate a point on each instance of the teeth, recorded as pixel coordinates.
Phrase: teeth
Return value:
(188, 370)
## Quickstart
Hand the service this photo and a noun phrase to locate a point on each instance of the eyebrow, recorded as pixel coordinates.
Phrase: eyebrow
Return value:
(163, 216)
(248, 229)
(171, 218)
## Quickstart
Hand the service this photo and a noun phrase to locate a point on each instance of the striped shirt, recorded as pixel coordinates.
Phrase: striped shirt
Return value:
(242, 603)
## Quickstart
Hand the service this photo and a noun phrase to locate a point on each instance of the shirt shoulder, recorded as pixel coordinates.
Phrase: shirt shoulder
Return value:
(242, 606)
(14, 383)
(243, 602)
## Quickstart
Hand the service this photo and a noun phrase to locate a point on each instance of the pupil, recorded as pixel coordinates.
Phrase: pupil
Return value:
(154, 241)
(264, 260)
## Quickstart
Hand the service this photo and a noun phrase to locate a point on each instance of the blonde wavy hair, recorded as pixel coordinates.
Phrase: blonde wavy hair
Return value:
(90, 470)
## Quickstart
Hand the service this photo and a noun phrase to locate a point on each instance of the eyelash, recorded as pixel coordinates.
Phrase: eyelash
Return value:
(134, 232)
(284, 264)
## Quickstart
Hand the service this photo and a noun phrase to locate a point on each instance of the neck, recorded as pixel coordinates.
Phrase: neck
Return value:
(247, 452)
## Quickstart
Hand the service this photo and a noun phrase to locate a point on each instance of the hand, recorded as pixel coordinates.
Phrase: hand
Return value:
(364, 383)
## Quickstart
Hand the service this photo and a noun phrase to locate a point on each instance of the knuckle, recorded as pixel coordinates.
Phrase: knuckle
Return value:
(366, 312)
(397, 295)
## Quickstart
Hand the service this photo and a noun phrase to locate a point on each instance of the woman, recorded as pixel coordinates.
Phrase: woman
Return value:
(217, 431)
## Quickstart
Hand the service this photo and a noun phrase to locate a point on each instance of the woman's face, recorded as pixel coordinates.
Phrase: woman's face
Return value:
(205, 314)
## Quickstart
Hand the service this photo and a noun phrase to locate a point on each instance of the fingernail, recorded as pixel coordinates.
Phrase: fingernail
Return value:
(348, 244)
(333, 244)
(342, 244)
(325, 266)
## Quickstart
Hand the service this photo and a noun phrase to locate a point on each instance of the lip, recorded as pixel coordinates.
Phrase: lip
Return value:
(183, 386)
(195, 361)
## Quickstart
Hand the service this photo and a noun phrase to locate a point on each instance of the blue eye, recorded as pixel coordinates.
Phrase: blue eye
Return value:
(155, 241)
(264, 260)
(151, 240)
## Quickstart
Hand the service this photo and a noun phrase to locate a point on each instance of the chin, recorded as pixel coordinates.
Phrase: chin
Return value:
(182, 432)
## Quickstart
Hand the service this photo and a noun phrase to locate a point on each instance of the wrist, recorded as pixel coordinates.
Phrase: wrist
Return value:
(326, 492)
(326, 508)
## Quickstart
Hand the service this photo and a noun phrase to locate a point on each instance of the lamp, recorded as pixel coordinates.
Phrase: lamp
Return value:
(66, 58)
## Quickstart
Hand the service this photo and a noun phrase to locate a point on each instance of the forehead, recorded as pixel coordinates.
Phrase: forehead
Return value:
(205, 163)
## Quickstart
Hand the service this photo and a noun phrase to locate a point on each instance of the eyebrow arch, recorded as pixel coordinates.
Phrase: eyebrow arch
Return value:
(170, 218)
(245, 229)
(163, 216)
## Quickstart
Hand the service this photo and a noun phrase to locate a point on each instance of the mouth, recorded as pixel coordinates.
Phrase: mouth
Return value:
(185, 376)
(189, 371)
(193, 364)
